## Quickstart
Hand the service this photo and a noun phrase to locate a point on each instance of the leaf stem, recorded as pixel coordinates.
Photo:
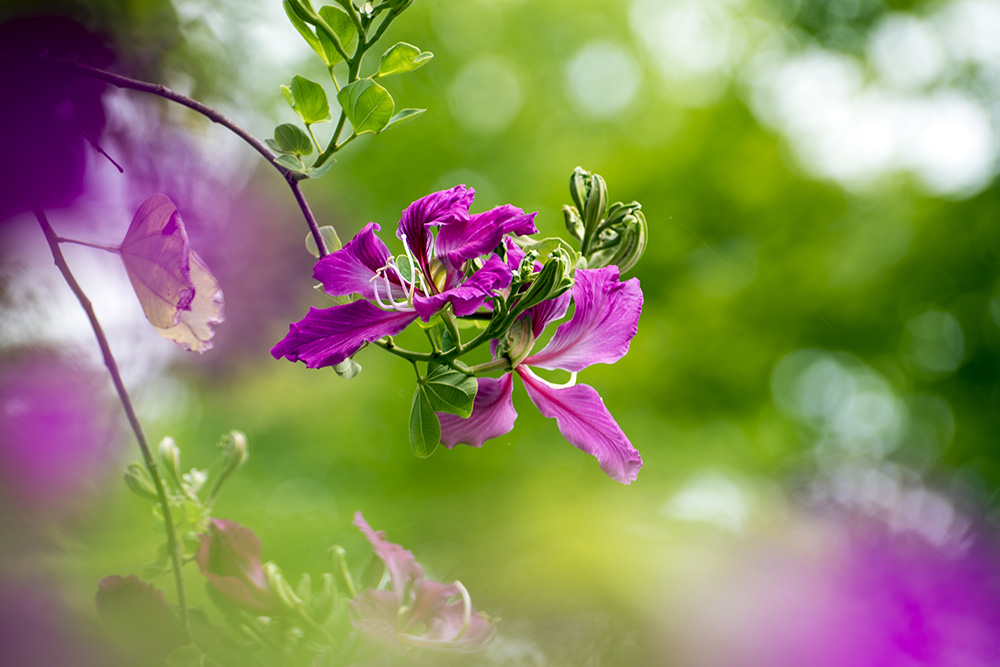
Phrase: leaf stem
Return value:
(173, 545)
(108, 248)
(388, 345)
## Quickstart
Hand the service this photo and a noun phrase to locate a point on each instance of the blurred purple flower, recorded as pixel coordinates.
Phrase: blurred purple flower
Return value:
(604, 322)
(54, 432)
(49, 113)
(229, 557)
(178, 293)
(433, 275)
(415, 612)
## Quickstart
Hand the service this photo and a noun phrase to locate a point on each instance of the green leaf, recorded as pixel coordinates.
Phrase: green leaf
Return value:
(291, 139)
(330, 238)
(402, 58)
(304, 30)
(449, 390)
(348, 368)
(309, 100)
(403, 117)
(291, 162)
(287, 93)
(368, 106)
(343, 27)
(425, 429)
(317, 172)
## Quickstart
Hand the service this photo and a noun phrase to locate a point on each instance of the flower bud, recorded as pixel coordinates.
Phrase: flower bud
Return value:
(579, 186)
(282, 589)
(596, 207)
(304, 589)
(322, 602)
(516, 344)
(139, 482)
(554, 279)
(229, 557)
(342, 573)
(234, 451)
(574, 223)
(170, 455)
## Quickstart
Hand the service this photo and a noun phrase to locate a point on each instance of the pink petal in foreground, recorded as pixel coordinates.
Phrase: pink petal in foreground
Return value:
(438, 208)
(403, 568)
(605, 320)
(325, 337)
(492, 415)
(467, 297)
(586, 424)
(481, 233)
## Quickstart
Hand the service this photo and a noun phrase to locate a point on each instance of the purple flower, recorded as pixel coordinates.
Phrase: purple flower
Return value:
(437, 271)
(229, 557)
(178, 293)
(415, 612)
(604, 321)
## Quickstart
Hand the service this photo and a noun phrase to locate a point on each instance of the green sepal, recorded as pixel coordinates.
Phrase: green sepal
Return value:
(343, 27)
(290, 139)
(449, 390)
(547, 246)
(425, 428)
(368, 106)
(401, 58)
(403, 117)
(330, 239)
(309, 100)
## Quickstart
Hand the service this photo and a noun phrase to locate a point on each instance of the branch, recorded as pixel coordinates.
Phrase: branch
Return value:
(173, 546)
(162, 91)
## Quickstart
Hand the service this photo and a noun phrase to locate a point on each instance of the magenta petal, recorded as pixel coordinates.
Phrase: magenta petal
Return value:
(492, 415)
(482, 232)
(586, 424)
(438, 208)
(468, 296)
(325, 337)
(352, 269)
(402, 565)
(605, 320)
(548, 311)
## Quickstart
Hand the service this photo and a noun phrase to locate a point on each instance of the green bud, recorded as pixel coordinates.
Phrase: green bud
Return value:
(170, 455)
(574, 223)
(623, 239)
(322, 602)
(340, 570)
(554, 279)
(139, 481)
(304, 589)
(516, 344)
(596, 207)
(579, 186)
(282, 589)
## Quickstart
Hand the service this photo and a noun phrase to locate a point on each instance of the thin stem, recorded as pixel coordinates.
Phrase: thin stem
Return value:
(452, 325)
(108, 248)
(162, 91)
(173, 546)
(319, 149)
(503, 363)
(389, 346)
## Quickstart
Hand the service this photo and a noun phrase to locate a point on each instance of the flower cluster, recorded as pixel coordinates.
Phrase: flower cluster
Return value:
(457, 266)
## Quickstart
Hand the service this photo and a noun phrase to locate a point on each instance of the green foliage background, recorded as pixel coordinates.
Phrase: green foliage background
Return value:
(750, 258)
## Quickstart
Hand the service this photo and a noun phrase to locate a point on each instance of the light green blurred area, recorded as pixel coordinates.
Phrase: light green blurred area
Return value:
(807, 315)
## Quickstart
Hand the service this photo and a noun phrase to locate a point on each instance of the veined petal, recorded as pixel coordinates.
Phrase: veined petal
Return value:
(481, 233)
(444, 207)
(325, 337)
(605, 320)
(586, 424)
(467, 297)
(403, 568)
(352, 269)
(193, 330)
(548, 311)
(492, 415)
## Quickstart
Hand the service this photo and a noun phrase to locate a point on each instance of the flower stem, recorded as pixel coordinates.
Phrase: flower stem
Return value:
(389, 346)
(173, 546)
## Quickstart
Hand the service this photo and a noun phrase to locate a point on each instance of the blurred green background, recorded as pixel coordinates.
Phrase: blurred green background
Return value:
(821, 325)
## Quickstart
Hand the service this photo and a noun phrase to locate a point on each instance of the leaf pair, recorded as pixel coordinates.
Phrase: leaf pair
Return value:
(443, 389)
